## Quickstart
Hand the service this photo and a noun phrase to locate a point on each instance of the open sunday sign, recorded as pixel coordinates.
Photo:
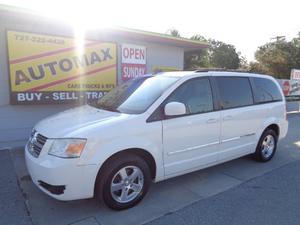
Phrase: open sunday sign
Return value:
(133, 61)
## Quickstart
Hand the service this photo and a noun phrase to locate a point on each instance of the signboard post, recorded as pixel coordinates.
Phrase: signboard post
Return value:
(52, 69)
(133, 61)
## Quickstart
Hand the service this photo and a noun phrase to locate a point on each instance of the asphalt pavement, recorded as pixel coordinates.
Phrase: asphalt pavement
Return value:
(273, 198)
(13, 210)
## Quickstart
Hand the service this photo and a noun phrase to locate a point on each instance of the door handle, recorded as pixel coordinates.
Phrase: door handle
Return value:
(228, 117)
(212, 120)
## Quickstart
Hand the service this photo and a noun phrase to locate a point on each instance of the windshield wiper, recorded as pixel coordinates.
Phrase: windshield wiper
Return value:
(108, 108)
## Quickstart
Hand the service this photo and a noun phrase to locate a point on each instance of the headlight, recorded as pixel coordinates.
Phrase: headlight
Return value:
(67, 148)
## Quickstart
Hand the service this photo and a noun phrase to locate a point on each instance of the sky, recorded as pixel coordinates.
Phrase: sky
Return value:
(246, 24)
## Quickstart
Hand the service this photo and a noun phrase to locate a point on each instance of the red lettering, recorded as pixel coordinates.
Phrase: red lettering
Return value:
(142, 54)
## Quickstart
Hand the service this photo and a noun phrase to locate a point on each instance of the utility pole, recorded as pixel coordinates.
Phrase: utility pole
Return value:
(279, 38)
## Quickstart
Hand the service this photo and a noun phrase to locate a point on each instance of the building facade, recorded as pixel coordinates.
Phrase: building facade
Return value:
(46, 66)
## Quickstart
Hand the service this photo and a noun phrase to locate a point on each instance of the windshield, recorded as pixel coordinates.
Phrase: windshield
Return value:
(135, 96)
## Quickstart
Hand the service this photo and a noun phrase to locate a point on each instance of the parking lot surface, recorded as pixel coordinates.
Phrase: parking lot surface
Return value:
(270, 199)
(13, 210)
(219, 191)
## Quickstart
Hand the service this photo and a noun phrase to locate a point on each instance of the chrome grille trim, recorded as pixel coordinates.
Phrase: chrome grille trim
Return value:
(36, 143)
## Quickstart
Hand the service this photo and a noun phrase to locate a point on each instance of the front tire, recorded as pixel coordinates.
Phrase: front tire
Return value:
(267, 146)
(124, 181)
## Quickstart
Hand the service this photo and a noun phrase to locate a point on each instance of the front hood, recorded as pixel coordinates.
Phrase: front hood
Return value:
(62, 124)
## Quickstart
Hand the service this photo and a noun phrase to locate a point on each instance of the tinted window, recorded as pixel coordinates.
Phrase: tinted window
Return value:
(266, 90)
(195, 94)
(234, 91)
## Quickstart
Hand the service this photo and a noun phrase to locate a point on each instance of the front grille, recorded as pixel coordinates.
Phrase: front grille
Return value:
(36, 143)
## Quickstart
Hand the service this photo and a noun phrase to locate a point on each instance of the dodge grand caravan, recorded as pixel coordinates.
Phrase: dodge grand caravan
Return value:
(153, 128)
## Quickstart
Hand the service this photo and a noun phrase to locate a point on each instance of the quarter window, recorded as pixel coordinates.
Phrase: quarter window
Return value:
(196, 94)
(266, 90)
(234, 91)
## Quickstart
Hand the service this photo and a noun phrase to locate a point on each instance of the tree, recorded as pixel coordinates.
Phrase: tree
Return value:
(244, 65)
(197, 58)
(218, 55)
(223, 55)
(173, 32)
(277, 58)
(198, 37)
(256, 67)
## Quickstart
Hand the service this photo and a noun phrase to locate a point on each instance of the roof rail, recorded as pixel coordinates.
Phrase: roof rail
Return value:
(221, 70)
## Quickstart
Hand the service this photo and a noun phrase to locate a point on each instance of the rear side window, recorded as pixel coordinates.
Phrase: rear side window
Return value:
(266, 90)
(234, 91)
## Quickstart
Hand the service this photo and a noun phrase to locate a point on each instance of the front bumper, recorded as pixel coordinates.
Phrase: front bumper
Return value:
(62, 179)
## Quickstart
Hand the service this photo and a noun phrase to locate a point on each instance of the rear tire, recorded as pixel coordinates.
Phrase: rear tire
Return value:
(124, 182)
(266, 146)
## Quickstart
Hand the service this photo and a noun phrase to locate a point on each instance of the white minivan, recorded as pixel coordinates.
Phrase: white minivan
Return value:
(153, 128)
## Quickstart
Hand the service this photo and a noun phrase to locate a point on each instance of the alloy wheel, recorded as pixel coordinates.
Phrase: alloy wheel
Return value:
(127, 184)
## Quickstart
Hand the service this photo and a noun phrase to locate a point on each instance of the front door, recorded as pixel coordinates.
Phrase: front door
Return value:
(191, 141)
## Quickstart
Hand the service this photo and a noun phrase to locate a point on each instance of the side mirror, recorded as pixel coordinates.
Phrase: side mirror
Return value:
(175, 109)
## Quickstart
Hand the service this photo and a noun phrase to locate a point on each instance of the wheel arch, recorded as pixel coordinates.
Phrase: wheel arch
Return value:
(274, 127)
(258, 155)
(144, 154)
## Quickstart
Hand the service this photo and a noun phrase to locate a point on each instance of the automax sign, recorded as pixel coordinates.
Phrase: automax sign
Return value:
(53, 69)
(133, 61)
